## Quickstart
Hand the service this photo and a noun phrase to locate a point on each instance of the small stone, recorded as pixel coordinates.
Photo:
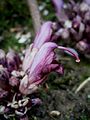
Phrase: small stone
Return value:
(68, 24)
(28, 35)
(88, 96)
(23, 39)
(18, 35)
(2, 108)
(55, 113)
(45, 12)
(1, 38)
(41, 7)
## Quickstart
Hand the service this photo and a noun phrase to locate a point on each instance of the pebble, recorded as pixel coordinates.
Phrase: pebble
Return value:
(55, 113)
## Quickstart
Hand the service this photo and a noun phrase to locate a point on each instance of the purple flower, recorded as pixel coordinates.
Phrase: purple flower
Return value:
(17, 81)
(44, 35)
(74, 28)
(43, 63)
(59, 10)
(40, 60)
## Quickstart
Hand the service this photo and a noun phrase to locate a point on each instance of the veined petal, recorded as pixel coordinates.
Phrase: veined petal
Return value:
(42, 62)
(40, 58)
(44, 35)
(27, 88)
(42, 70)
(54, 67)
(29, 56)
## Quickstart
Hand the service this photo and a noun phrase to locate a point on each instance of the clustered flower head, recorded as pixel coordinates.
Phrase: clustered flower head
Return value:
(74, 23)
(20, 79)
(12, 102)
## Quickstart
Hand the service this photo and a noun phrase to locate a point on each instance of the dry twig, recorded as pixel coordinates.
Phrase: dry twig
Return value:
(82, 85)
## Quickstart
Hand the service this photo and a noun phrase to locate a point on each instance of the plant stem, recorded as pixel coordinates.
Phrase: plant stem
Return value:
(35, 14)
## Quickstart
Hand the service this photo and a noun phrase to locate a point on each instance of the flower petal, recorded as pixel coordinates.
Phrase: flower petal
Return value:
(40, 58)
(44, 35)
(29, 56)
(71, 52)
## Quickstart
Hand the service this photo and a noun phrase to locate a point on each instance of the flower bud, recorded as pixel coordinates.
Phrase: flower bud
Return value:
(82, 46)
(13, 60)
(4, 77)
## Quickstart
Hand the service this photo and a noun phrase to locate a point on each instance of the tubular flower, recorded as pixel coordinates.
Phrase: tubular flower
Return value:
(44, 35)
(76, 24)
(38, 67)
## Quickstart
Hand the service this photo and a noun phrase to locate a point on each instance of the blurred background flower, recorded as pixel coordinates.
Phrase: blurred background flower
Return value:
(74, 23)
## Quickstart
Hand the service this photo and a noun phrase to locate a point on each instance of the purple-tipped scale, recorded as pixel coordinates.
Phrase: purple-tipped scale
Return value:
(4, 78)
(13, 61)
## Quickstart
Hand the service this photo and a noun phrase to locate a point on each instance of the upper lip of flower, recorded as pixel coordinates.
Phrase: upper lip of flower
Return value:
(45, 50)
(43, 35)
